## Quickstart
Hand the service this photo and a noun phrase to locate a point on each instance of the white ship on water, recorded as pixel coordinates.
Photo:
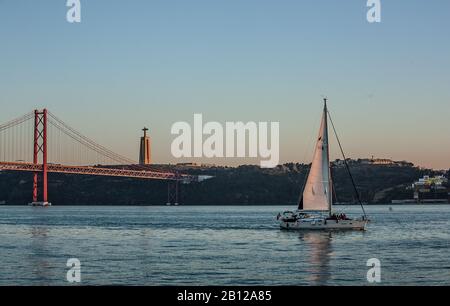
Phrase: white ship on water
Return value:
(315, 208)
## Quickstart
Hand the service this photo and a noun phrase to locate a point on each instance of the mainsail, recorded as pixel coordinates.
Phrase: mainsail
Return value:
(317, 193)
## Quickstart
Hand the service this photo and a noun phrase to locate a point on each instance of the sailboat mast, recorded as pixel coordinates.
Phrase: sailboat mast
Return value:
(330, 186)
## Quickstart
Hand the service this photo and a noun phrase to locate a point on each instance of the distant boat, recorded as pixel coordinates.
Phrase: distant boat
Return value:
(315, 208)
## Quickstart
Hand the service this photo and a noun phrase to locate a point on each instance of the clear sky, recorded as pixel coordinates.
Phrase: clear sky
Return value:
(154, 62)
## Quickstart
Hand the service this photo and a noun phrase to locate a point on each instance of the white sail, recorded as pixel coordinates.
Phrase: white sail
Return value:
(317, 192)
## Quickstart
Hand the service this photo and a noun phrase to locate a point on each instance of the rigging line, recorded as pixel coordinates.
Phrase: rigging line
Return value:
(346, 166)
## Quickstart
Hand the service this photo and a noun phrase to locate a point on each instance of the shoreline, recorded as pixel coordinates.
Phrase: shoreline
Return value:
(245, 205)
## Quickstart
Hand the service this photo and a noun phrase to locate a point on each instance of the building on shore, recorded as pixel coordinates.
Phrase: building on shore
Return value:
(386, 162)
(195, 165)
(373, 161)
(431, 189)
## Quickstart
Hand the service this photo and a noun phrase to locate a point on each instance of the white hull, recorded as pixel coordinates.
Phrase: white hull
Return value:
(302, 220)
(324, 224)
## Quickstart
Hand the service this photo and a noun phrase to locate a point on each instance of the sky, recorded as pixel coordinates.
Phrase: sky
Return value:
(130, 64)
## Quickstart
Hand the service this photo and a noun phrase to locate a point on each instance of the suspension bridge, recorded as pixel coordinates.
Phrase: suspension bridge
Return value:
(41, 143)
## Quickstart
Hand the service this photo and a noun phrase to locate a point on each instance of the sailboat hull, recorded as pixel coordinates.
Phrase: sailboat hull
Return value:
(324, 224)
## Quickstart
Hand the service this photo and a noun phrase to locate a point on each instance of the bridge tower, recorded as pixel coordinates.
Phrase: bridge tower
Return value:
(40, 148)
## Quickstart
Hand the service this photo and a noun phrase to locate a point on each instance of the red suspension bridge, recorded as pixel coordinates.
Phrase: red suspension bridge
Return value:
(41, 143)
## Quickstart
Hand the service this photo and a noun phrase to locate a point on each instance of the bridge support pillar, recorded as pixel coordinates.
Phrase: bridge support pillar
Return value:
(35, 187)
(172, 192)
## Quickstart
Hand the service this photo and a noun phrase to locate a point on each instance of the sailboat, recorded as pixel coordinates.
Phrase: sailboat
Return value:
(315, 207)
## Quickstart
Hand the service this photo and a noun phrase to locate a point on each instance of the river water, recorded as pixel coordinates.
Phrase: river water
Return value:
(219, 245)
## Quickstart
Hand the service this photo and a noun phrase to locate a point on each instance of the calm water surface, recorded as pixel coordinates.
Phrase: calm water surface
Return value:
(218, 245)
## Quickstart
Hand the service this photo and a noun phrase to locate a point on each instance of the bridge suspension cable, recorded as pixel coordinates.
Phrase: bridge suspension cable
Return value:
(16, 121)
(15, 139)
(64, 128)
(40, 142)
(66, 145)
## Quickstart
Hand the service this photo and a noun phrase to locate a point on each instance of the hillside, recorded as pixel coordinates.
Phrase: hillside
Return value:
(241, 185)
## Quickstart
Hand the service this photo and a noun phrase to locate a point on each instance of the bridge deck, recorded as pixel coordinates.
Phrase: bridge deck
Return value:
(101, 171)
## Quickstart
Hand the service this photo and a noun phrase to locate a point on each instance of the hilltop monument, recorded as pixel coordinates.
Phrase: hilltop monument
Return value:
(144, 150)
